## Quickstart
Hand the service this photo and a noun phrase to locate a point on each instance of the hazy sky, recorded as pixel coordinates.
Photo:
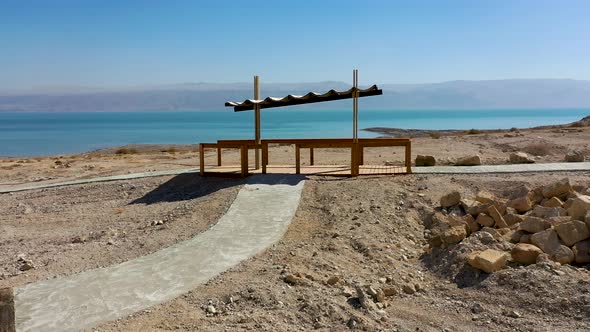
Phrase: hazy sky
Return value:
(122, 43)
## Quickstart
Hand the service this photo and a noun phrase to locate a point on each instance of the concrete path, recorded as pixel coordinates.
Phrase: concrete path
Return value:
(19, 187)
(518, 168)
(257, 218)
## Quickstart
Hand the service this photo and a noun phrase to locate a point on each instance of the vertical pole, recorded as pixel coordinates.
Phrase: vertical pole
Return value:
(201, 160)
(257, 122)
(409, 157)
(7, 315)
(311, 156)
(355, 150)
(218, 156)
(244, 160)
(264, 157)
(297, 159)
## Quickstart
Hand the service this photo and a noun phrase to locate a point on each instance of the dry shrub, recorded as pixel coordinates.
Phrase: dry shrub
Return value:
(435, 135)
(474, 132)
(539, 149)
(125, 151)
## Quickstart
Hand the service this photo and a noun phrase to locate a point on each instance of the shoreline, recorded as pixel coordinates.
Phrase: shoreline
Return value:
(402, 132)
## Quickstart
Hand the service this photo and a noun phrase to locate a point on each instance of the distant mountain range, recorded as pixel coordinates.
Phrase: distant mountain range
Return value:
(494, 94)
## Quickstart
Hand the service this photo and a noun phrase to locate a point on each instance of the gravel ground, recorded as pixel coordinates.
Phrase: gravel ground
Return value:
(71, 229)
(349, 234)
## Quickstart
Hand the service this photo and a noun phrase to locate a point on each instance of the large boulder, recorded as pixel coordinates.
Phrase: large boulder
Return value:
(571, 232)
(450, 199)
(573, 156)
(513, 218)
(547, 240)
(557, 188)
(563, 255)
(582, 252)
(579, 207)
(485, 197)
(521, 158)
(485, 220)
(553, 202)
(548, 212)
(498, 219)
(425, 160)
(525, 253)
(468, 161)
(521, 204)
(534, 224)
(488, 261)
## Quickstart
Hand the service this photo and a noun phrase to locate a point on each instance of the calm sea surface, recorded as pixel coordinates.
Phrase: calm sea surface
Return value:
(30, 133)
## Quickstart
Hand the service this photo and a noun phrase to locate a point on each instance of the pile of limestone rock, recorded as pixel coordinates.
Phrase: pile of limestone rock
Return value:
(551, 222)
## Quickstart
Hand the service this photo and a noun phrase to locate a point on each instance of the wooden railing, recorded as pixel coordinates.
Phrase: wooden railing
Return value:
(356, 150)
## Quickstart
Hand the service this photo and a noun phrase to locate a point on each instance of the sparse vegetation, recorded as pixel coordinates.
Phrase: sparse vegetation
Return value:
(538, 149)
(474, 132)
(126, 151)
(435, 135)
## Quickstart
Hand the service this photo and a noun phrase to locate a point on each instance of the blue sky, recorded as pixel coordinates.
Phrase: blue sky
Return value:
(127, 43)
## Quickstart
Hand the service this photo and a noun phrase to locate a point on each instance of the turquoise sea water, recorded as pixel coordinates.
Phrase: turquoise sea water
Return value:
(33, 133)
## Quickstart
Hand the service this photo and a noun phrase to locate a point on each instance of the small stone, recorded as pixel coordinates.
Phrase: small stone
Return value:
(573, 156)
(525, 253)
(521, 158)
(293, 280)
(469, 161)
(425, 161)
(514, 314)
(27, 265)
(380, 296)
(408, 289)
(332, 280)
(364, 300)
(79, 239)
(450, 199)
(390, 291)
(211, 309)
(477, 308)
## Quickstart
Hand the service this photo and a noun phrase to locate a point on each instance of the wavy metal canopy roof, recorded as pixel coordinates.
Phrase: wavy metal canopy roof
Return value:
(308, 98)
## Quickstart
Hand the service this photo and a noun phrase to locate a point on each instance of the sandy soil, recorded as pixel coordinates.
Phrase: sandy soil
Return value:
(364, 231)
(71, 229)
(369, 232)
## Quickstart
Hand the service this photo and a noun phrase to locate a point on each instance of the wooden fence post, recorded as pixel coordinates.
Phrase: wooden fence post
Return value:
(7, 316)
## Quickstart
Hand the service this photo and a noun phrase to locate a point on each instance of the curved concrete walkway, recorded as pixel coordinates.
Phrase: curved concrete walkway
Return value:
(257, 218)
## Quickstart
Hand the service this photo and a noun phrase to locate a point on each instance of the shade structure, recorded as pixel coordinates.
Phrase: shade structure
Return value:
(311, 97)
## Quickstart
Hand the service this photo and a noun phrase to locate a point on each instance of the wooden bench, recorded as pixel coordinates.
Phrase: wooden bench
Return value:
(242, 145)
(357, 149)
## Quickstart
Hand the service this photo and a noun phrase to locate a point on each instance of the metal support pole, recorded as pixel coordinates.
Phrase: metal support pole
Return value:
(257, 123)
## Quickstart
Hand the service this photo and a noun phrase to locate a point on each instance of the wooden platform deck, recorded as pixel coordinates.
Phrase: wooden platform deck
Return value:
(329, 170)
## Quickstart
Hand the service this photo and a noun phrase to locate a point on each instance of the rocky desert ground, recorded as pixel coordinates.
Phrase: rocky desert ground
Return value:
(489, 252)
